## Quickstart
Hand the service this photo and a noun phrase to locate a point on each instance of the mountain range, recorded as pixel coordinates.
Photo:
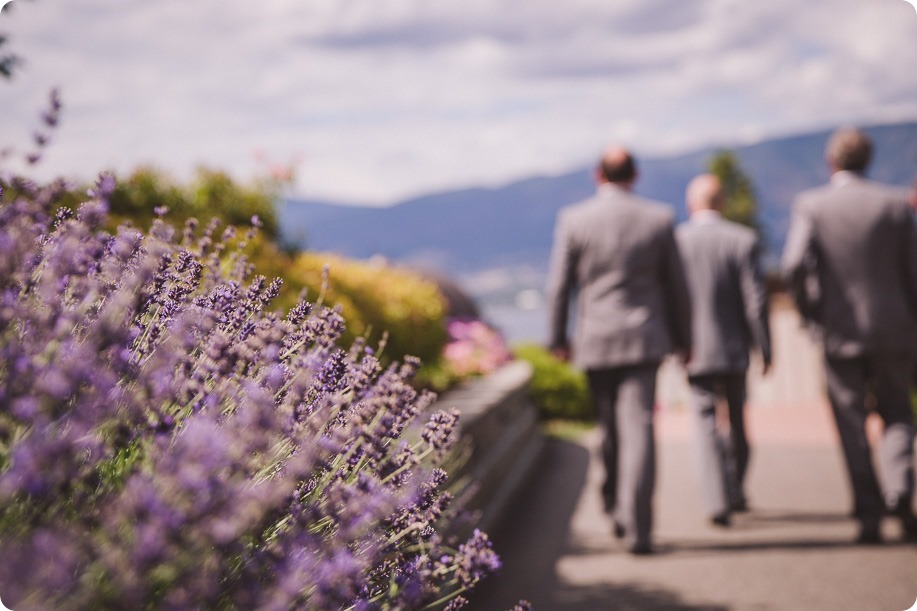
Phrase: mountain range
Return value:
(471, 232)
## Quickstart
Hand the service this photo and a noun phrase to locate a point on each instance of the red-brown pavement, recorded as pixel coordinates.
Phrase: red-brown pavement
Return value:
(792, 550)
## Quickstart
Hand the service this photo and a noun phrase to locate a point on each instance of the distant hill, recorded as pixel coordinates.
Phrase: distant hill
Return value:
(471, 230)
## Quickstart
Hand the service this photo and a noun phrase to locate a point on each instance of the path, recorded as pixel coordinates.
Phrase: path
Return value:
(793, 550)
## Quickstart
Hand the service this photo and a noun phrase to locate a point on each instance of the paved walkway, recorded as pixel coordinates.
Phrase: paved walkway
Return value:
(791, 551)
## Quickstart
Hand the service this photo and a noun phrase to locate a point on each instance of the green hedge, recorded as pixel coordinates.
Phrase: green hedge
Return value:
(560, 391)
(211, 193)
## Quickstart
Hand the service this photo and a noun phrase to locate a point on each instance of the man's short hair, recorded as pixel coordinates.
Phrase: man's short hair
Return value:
(849, 149)
(619, 168)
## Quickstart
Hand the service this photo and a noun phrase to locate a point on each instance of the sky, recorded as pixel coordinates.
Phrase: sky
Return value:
(374, 101)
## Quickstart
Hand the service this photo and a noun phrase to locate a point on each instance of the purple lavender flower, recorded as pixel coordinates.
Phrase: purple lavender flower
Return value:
(476, 559)
(103, 187)
(440, 431)
(456, 603)
(50, 119)
(168, 441)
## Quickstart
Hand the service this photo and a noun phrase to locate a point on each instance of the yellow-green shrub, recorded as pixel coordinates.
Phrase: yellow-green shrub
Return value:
(377, 298)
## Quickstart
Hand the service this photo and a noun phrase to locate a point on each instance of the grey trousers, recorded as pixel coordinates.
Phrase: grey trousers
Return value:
(624, 399)
(888, 379)
(722, 455)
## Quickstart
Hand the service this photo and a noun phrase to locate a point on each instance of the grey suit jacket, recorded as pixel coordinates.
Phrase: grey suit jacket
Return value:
(617, 252)
(728, 294)
(851, 264)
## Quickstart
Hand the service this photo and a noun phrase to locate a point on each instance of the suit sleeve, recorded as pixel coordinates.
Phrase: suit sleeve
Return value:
(561, 282)
(909, 263)
(799, 265)
(678, 299)
(754, 298)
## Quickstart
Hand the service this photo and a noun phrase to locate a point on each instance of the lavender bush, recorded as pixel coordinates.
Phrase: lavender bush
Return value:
(168, 441)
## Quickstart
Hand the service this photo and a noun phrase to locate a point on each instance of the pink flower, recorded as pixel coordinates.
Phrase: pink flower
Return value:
(475, 347)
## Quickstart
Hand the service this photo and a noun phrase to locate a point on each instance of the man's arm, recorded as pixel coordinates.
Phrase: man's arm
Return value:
(799, 265)
(909, 264)
(755, 300)
(678, 298)
(561, 281)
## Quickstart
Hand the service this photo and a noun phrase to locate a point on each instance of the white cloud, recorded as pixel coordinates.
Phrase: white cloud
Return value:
(388, 98)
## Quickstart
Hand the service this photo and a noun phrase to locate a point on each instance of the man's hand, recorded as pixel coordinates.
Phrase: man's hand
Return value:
(561, 353)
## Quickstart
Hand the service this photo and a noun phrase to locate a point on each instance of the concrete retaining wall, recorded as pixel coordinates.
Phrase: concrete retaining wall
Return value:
(499, 424)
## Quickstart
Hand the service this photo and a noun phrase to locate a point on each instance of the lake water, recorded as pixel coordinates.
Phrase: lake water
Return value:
(518, 325)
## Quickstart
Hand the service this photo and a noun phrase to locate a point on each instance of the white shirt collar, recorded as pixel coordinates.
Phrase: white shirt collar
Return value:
(705, 216)
(610, 187)
(843, 177)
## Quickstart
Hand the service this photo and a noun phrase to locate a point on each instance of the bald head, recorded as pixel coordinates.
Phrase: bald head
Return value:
(848, 149)
(704, 192)
(617, 166)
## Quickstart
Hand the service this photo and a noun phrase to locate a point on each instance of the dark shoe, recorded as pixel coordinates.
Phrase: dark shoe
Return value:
(608, 505)
(869, 535)
(721, 519)
(618, 530)
(901, 509)
(739, 506)
(910, 532)
(641, 549)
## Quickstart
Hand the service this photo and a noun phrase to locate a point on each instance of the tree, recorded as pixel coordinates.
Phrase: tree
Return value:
(8, 60)
(740, 204)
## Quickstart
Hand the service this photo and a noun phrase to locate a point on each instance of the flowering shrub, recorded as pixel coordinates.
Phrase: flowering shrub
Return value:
(166, 441)
(474, 347)
(377, 299)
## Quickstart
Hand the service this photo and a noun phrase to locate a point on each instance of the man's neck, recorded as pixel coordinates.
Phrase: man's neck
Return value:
(705, 215)
(842, 177)
(614, 186)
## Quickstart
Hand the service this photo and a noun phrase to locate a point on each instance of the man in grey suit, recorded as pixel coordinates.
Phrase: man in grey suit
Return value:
(729, 316)
(617, 252)
(851, 264)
